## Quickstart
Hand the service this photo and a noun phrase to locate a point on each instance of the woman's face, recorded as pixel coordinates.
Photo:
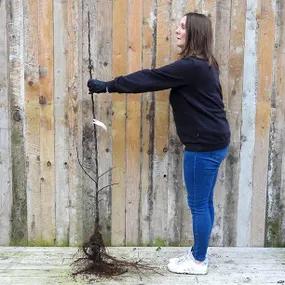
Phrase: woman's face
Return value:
(181, 33)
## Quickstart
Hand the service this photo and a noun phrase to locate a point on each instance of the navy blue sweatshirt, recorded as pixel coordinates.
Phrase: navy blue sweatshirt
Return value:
(196, 100)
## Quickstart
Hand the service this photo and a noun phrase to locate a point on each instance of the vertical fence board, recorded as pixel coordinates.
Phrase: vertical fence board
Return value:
(176, 192)
(222, 44)
(100, 44)
(235, 83)
(277, 226)
(147, 120)
(60, 125)
(32, 112)
(133, 126)
(210, 9)
(103, 70)
(275, 215)
(118, 123)
(74, 119)
(247, 127)
(88, 140)
(16, 96)
(160, 159)
(5, 142)
(262, 122)
(46, 100)
(191, 6)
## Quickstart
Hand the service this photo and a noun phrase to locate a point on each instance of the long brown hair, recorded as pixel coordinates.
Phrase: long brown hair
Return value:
(199, 38)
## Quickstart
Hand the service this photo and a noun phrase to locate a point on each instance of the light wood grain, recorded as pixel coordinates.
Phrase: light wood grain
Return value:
(177, 202)
(147, 119)
(32, 111)
(247, 127)
(88, 139)
(275, 179)
(46, 101)
(161, 126)
(60, 122)
(103, 71)
(15, 31)
(118, 123)
(74, 120)
(5, 134)
(221, 52)
(262, 122)
(235, 91)
(133, 125)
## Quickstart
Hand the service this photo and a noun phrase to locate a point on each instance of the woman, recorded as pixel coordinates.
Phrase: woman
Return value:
(201, 124)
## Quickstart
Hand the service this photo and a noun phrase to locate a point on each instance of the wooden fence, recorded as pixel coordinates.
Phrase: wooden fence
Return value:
(45, 115)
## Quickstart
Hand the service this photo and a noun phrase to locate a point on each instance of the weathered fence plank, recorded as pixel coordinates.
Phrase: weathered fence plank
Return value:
(119, 59)
(262, 121)
(88, 140)
(32, 112)
(210, 9)
(275, 217)
(235, 83)
(248, 127)
(17, 120)
(222, 52)
(103, 71)
(133, 126)
(5, 135)
(159, 220)
(175, 190)
(147, 122)
(46, 101)
(60, 122)
(74, 119)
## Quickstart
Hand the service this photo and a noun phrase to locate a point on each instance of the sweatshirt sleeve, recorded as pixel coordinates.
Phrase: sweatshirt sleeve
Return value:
(168, 76)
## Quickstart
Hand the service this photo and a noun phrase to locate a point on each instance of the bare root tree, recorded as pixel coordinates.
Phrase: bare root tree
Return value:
(95, 259)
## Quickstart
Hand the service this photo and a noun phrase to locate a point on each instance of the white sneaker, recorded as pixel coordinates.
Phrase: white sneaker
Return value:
(188, 265)
(183, 256)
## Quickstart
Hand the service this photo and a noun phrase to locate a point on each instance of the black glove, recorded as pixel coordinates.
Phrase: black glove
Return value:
(96, 86)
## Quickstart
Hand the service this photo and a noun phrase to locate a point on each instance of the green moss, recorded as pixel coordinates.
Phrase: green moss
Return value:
(16, 242)
(19, 233)
(16, 136)
(130, 244)
(43, 243)
(275, 234)
(38, 243)
(172, 243)
(62, 244)
(159, 242)
(274, 228)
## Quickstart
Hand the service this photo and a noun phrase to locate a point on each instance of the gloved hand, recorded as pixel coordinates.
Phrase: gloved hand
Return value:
(96, 86)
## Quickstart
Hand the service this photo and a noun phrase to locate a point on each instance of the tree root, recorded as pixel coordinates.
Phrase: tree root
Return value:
(97, 261)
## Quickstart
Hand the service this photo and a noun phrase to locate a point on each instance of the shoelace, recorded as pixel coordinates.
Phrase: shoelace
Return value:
(183, 258)
(187, 256)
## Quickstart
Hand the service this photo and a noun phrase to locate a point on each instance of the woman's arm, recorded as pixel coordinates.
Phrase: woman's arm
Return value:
(168, 76)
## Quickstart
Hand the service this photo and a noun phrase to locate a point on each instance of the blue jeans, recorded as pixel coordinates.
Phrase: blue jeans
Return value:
(200, 175)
